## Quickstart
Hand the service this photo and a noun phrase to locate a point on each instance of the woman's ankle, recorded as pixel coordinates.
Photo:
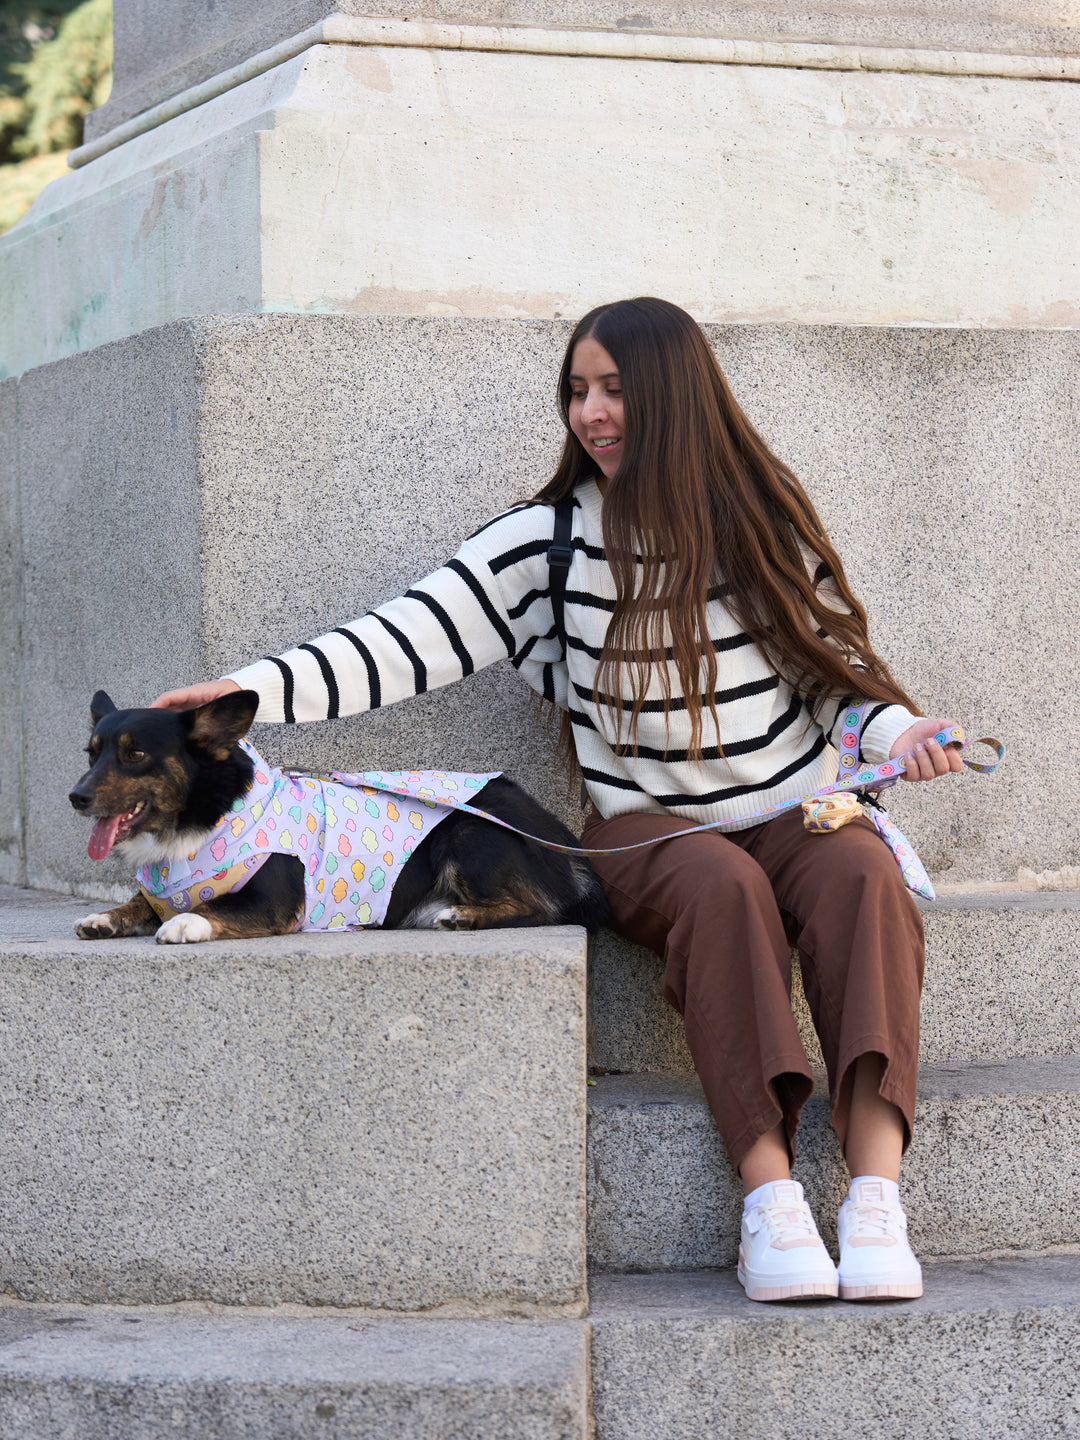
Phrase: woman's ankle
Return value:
(766, 1161)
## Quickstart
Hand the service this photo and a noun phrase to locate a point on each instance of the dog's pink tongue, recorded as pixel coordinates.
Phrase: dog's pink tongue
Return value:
(102, 836)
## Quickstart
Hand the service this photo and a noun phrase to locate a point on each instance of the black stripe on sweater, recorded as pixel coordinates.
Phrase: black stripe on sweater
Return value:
(588, 601)
(716, 752)
(678, 702)
(287, 696)
(730, 642)
(494, 618)
(499, 563)
(374, 684)
(530, 598)
(616, 782)
(419, 669)
(523, 654)
(583, 721)
(333, 703)
(465, 660)
(715, 797)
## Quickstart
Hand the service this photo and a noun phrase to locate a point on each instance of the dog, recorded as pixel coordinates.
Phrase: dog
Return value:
(163, 785)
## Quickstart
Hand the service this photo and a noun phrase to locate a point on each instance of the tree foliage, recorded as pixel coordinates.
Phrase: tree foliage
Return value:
(55, 66)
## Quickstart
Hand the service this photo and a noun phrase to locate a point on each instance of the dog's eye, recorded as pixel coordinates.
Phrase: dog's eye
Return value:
(134, 756)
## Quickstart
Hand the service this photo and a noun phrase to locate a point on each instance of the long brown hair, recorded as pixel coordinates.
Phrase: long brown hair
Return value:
(699, 501)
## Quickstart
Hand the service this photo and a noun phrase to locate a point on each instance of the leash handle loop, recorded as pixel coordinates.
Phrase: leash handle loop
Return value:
(866, 778)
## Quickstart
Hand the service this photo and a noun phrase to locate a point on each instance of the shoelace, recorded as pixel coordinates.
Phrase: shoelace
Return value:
(875, 1221)
(789, 1224)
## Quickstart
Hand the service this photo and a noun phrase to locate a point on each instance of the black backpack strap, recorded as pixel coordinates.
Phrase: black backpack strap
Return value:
(560, 554)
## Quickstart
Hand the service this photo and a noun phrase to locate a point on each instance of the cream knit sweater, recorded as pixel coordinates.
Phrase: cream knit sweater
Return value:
(492, 602)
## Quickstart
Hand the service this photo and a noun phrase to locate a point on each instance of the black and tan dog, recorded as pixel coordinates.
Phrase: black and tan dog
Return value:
(160, 781)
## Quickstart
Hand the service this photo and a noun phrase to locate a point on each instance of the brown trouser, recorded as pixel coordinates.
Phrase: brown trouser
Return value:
(723, 911)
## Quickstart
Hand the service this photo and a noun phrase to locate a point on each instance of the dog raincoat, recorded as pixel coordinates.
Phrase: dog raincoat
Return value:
(353, 833)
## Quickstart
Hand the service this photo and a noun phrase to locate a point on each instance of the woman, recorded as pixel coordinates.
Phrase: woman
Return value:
(712, 643)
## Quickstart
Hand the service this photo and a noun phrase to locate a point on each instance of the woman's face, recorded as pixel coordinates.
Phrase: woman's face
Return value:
(596, 404)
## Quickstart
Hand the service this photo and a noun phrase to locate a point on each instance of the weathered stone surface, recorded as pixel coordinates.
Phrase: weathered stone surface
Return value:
(105, 1373)
(411, 180)
(999, 983)
(988, 1351)
(994, 1167)
(164, 46)
(387, 1119)
(12, 846)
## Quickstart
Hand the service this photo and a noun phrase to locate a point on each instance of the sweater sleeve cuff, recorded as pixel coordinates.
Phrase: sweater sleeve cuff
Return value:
(881, 734)
(267, 681)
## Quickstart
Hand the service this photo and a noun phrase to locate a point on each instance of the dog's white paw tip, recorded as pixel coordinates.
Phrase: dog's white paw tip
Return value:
(185, 930)
(94, 927)
(448, 919)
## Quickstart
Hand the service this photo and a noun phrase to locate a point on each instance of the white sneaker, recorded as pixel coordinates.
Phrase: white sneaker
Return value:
(876, 1262)
(781, 1255)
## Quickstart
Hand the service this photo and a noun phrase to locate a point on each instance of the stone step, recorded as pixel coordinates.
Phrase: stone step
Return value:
(187, 1373)
(994, 1167)
(989, 1352)
(999, 983)
(388, 1119)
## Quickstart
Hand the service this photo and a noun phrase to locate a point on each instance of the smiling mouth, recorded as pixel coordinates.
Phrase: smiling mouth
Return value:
(606, 443)
(110, 830)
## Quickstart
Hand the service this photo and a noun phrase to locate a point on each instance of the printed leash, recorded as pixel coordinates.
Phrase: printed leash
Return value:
(863, 780)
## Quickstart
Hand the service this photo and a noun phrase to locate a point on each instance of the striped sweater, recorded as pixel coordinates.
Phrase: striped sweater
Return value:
(492, 601)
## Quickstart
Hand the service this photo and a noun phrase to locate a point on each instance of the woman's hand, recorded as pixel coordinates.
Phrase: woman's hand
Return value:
(194, 695)
(924, 758)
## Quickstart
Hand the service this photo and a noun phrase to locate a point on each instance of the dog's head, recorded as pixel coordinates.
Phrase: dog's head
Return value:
(166, 775)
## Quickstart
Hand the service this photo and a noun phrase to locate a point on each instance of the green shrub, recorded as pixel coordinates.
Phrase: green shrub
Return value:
(55, 66)
(66, 78)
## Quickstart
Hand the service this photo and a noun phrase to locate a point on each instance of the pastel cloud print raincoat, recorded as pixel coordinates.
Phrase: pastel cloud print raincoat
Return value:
(353, 832)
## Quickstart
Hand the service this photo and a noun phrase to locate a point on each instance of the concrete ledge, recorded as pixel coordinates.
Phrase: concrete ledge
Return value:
(999, 984)
(618, 44)
(102, 1373)
(381, 1119)
(994, 1167)
(989, 1351)
(163, 48)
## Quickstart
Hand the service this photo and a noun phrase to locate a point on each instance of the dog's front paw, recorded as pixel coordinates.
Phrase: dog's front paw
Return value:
(95, 927)
(185, 930)
(452, 918)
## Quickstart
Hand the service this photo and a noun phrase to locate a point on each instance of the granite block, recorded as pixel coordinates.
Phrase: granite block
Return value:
(106, 1373)
(988, 1351)
(994, 1167)
(999, 983)
(112, 591)
(223, 488)
(383, 1119)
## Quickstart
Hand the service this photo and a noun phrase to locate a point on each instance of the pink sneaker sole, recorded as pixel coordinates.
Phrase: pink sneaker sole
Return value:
(881, 1292)
(807, 1290)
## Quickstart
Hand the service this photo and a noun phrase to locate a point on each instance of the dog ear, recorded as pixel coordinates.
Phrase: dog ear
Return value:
(100, 705)
(217, 727)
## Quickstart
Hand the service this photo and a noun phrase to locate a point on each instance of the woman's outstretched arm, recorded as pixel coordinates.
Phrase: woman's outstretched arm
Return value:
(488, 603)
